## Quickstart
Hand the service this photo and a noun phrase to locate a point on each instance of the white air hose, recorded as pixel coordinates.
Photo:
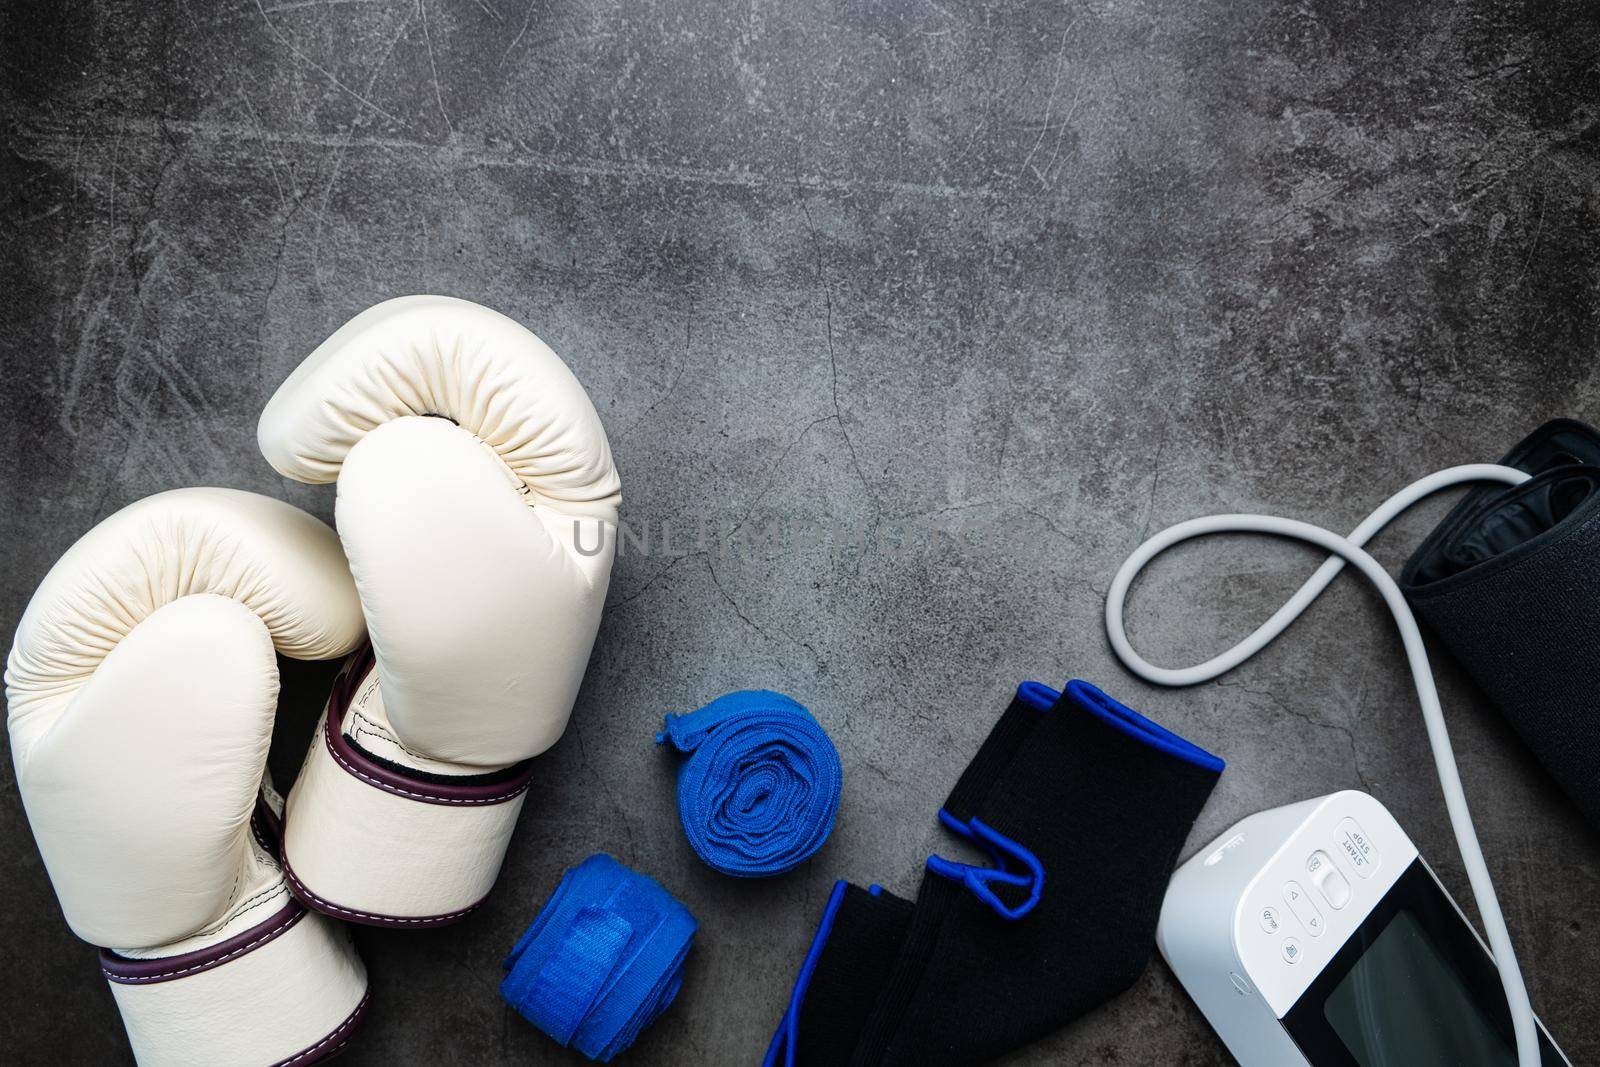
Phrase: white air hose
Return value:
(1349, 550)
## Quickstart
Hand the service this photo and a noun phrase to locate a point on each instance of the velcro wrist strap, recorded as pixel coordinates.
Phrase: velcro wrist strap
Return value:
(603, 959)
(365, 843)
(290, 990)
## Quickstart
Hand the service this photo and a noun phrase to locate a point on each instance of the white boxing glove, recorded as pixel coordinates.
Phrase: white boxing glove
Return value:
(142, 689)
(477, 504)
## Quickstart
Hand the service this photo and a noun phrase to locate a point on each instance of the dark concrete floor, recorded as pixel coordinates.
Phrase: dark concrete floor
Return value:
(1008, 284)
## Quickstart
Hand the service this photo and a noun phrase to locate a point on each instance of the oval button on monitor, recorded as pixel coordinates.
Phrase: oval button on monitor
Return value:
(1291, 950)
(1295, 896)
(1269, 920)
(1335, 888)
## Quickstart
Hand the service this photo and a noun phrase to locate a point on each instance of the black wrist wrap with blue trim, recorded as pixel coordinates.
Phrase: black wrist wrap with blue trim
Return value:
(1510, 583)
(1082, 806)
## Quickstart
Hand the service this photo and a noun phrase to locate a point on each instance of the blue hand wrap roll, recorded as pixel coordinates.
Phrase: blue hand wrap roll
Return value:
(603, 959)
(760, 790)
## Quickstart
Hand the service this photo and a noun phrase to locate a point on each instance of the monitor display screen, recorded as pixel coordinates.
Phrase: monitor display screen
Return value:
(1403, 1004)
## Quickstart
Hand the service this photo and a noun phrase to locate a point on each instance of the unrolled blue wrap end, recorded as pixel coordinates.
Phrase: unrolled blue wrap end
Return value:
(760, 790)
(602, 960)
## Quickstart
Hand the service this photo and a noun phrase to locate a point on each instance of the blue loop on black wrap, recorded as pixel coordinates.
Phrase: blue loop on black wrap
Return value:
(760, 790)
(603, 959)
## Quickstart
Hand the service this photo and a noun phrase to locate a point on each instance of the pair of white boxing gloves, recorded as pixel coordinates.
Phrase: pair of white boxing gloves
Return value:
(476, 512)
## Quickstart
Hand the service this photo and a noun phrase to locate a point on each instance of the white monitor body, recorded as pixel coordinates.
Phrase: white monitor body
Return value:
(1261, 925)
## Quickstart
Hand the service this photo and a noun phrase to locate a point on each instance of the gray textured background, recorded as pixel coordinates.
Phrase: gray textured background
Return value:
(1008, 283)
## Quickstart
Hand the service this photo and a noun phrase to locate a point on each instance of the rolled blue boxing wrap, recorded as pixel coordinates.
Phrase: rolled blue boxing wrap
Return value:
(760, 790)
(603, 959)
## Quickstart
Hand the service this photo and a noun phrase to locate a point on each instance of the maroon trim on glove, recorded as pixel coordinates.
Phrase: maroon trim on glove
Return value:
(367, 918)
(357, 763)
(266, 826)
(334, 1043)
(127, 971)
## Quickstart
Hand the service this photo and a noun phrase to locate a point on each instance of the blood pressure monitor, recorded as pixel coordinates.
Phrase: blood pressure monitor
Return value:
(1314, 935)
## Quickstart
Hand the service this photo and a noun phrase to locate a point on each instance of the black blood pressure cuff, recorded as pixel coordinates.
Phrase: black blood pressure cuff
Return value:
(1081, 806)
(1510, 583)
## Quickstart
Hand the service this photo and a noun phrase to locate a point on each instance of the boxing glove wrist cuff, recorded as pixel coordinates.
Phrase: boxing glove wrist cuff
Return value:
(289, 990)
(366, 842)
